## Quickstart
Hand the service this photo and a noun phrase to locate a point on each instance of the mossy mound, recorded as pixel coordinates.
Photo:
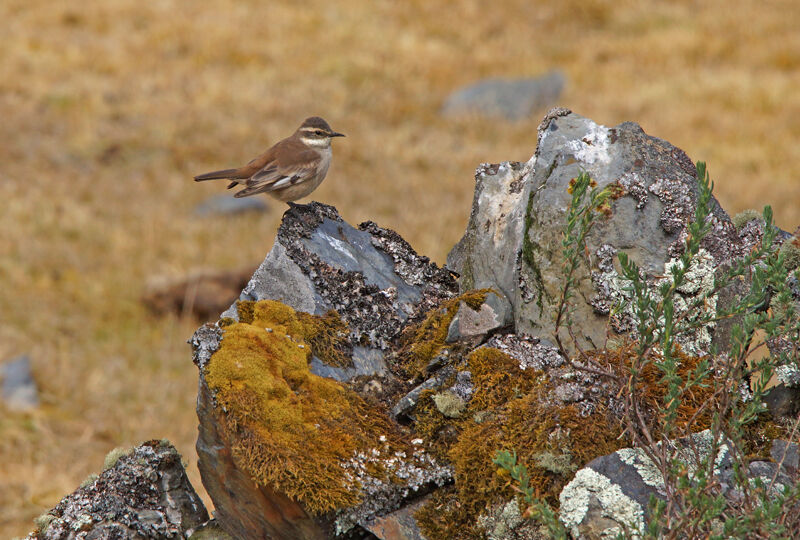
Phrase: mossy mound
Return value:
(423, 341)
(290, 429)
(510, 410)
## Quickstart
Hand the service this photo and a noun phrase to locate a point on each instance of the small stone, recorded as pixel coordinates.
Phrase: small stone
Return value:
(19, 390)
(512, 99)
(226, 205)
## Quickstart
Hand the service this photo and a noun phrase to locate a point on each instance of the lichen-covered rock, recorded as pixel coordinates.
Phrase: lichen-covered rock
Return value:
(611, 494)
(514, 237)
(145, 494)
(370, 276)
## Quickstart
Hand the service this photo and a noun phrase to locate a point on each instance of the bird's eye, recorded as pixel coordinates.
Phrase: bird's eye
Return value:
(319, 132)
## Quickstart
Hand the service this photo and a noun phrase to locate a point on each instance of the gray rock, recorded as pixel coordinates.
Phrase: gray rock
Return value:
(648, 222)
(494, 314)
(488, 251)
(409, 400)
(512, 99)
(785, 452)
(146, 494)
(513, 239)
(369, 275)
(227, 205)
(19, 389)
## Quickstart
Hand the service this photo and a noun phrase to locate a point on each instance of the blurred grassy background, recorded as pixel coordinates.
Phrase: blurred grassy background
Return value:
(108, 108)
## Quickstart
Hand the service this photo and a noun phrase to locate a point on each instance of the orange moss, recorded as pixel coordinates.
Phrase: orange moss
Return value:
(290, 428)
(509, 410)
(652, 391)
(423, 341)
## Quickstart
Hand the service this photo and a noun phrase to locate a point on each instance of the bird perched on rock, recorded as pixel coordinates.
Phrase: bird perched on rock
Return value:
(288, 171)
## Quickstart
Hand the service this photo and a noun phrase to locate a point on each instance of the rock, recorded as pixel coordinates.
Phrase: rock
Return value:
(146, 494)
(488, 251)
(512, 99)
(513, 239)
(19, 389)
(611, 494)
(494, 314)
(397, 525)
(269, 371)
(203, 294)
(370, 276)
(227, 205)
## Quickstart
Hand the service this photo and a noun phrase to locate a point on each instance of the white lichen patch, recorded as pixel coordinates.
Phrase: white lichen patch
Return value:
(403, 473)
(691, 453)
(788, 374)
(588, 484)
(593, 147)
(692, 301)
(502, 523)
(498, 201)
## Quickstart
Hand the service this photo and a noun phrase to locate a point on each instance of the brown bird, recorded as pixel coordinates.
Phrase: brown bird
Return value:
(288, 171)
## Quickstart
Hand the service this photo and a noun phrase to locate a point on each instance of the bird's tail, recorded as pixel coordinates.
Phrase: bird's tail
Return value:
(227, 173)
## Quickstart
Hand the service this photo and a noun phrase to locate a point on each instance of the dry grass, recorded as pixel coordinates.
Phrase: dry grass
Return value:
(109, 107)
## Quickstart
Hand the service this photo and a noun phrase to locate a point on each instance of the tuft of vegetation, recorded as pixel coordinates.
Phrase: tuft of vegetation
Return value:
(746, 216)
(113, 456)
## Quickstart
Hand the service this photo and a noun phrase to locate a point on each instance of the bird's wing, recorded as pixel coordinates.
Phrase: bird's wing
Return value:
(284, 170)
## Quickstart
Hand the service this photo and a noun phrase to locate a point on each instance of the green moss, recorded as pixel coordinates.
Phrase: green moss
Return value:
(289, 428)
(327, 335)
(424, 341)
(790, 249)
(744, 217)
(113, 456)
(43, 521)
(528, 248)
(509, 410)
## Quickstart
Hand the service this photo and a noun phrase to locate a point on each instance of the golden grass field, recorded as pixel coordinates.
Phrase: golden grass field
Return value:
(109, 107)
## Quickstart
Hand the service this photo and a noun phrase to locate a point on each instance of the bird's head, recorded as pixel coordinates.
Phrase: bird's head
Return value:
(315, 131)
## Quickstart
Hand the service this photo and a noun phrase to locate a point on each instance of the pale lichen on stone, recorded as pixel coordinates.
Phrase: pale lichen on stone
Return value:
(593, 147)
(614, 297)
(576, 497)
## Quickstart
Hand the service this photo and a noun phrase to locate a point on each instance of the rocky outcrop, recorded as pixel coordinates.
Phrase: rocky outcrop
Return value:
(370, 276)
(144, 494)
(345, 295)
(353, 389)
(357, 390)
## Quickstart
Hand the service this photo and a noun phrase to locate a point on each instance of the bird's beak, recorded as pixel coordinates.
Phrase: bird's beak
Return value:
(334, 134)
